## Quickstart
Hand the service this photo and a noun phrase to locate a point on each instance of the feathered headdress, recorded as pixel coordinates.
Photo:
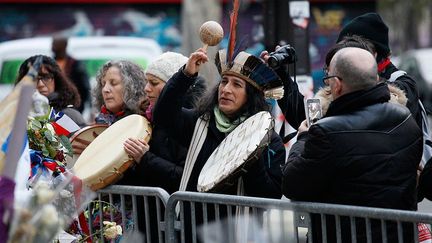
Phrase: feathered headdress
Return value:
(246, 66)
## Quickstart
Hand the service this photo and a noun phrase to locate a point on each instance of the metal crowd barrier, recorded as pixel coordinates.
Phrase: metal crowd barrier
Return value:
(202, 217)
(136, 209)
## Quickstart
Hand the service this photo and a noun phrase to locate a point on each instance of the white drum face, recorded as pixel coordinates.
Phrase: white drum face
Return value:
(106, 154)
(234, 150)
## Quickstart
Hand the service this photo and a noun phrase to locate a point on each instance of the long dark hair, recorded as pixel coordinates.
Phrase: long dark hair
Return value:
(254, 104)
(66, 92)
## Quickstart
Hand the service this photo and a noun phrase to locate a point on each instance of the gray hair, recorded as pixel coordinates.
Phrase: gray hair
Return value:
(134, 82)
(357, 67)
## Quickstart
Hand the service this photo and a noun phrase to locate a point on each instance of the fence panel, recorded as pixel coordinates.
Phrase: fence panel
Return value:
(203, 217)
(136, 209)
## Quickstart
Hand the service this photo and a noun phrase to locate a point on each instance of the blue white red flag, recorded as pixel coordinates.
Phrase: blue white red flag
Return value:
(63, 124)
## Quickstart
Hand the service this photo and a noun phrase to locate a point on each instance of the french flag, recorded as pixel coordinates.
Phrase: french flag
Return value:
(63, 124)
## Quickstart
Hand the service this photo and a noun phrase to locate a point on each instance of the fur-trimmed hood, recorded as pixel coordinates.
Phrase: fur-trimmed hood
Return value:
(397, 96)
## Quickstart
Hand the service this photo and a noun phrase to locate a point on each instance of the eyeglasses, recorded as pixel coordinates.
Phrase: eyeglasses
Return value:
(46, 79)
(327, 77)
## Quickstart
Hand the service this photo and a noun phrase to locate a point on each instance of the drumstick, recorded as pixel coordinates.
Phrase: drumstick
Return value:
(211, 33)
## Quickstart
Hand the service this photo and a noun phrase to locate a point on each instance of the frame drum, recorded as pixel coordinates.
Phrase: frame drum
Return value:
(104, 161)
(242, 145)
(81, 139)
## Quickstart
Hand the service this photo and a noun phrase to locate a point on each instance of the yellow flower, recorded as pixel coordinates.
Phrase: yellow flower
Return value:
(111, 230)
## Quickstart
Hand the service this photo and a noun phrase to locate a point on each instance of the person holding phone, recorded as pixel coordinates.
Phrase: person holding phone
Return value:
(352, 155)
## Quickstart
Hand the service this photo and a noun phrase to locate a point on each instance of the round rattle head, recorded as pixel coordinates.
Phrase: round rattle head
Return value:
(211, 33)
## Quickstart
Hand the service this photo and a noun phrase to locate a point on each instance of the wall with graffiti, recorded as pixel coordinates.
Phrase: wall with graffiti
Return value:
(162, 23)
(156, 21)
(327, 20)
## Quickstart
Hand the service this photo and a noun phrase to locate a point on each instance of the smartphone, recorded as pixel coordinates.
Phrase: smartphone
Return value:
(313, 110)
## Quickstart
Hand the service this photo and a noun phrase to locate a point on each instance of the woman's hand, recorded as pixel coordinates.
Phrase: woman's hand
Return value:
(136, 148)
(303, 127)
(195, 60)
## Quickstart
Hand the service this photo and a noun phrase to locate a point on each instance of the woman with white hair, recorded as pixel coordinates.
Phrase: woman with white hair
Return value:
(118, 90)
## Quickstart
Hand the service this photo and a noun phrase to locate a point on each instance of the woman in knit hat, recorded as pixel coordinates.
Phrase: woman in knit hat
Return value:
(160, 71)
(162, 165)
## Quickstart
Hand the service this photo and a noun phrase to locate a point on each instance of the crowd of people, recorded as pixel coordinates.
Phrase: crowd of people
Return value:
(368, 149)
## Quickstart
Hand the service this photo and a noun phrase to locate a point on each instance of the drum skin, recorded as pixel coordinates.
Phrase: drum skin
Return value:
(236, 152)
(104, 161)
(81, 139)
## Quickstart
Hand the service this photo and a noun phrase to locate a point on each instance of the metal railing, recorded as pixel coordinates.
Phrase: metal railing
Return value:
(134, 208)
(241, 219)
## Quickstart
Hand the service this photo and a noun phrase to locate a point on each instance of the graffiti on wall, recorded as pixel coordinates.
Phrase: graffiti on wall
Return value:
(161, 23)
(326, 22)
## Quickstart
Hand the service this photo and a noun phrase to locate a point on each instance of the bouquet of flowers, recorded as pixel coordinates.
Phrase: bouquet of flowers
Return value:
(56, 195)
(106, 223)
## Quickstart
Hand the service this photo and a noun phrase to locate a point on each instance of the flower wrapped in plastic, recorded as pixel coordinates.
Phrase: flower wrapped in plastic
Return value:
(106, 223)
(57, 196)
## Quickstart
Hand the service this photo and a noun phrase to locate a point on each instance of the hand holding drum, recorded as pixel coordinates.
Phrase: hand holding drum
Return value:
(211, 33)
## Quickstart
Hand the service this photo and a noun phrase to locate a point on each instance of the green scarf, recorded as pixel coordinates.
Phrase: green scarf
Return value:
(223, 124)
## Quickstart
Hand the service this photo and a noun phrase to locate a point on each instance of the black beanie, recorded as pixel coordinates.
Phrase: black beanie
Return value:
(371, 27)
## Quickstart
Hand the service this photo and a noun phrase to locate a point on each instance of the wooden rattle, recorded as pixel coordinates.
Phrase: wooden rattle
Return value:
(211, 33)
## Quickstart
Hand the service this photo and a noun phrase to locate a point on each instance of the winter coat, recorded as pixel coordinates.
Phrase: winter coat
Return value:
(411, 89)
(263, 178)
(292, 103)
(76, 72)
(364, 151)
(409, 86)
(162, 166)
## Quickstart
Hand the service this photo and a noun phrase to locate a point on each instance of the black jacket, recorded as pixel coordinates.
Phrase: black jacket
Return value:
(292, 104)
(77, 73)
(364, 152)
(409, 86)
(162, 166)
(261, 179)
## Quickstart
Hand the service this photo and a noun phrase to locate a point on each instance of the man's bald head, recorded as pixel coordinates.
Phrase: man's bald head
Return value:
(356, 67)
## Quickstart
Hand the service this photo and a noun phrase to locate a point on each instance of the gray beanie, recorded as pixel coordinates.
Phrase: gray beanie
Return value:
(166, 65)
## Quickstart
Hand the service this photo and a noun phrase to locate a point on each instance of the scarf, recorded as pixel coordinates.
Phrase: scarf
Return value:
(149, 113)
(108, 117)
(223, 124)
(383, 65)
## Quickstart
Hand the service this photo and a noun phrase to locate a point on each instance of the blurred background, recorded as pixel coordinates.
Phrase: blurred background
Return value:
(311, 27)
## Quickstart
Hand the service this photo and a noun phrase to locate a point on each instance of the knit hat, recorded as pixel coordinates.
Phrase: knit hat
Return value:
(166, 65)
(371, 27)
(253, 70)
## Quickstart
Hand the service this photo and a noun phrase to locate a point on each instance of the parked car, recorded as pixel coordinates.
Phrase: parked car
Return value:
(418, 64)
(92, 51)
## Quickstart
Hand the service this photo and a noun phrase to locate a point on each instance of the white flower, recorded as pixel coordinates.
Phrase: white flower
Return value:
(44, 195)
(50, 128)
(65, 194)
(49, 215)
(111, 230)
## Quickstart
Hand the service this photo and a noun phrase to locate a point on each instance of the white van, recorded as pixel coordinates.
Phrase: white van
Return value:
(92, 51)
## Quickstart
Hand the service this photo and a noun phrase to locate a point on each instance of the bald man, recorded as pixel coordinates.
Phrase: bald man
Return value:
(364, 151)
